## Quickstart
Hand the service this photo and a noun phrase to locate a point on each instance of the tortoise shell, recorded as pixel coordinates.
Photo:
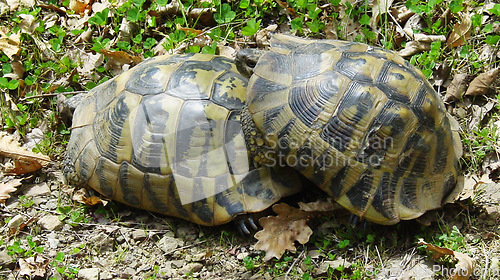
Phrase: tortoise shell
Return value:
(360, 122)
(166, 137)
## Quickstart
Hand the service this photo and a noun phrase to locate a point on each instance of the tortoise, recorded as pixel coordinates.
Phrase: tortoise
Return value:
(359, 121)
(166, 136)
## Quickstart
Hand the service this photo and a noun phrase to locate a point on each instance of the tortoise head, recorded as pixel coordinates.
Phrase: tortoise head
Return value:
(246, 59)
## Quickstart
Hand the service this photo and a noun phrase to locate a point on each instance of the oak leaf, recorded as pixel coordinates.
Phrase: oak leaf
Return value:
(33, 266)
(465, 264)
(279, 233)
(82, 197)
(7, 188)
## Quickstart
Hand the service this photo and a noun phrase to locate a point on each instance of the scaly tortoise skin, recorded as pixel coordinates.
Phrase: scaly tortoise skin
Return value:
(166, 137)
(359, 121)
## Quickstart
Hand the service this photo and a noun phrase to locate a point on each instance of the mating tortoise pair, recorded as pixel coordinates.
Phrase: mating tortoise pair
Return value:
(190, 136)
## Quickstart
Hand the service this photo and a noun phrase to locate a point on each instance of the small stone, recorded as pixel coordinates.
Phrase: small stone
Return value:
(105, 275)
(323, 267)
(139, 235)
(50, 204)
(168, 244)
(16, 221)
(241, 256)
(188, 233)
(167, 272)
(190, 268)
(50, 222)
(128, 272)
(198, 257)
(38, 189)
(89, 273)
(120, 239)
(177, 263)
(246, 275)
(52, 240)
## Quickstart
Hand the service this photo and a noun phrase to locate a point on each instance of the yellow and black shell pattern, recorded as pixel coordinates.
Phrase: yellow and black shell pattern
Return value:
(360, 122)
(165, 136)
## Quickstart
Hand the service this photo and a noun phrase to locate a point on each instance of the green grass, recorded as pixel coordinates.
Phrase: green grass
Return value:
(49, 58)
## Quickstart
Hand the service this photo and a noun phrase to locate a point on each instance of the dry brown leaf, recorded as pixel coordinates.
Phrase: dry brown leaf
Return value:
(78, 6)
(441, 74)
(461, 31)
(17, 71)
(464, 267)
(401, 14)
(28, 23)
(414, 47)
(286, 7)
(7, 188)
(90, 63)
(226, 51)
(477, 113)
(457, 88)
(81, 196)
(280, 233)
(331, 30)
(13, 4)
(33, 266)
(263, 36)
(491, 165)
(470, 185)
(482, 83)
(10, 45)
(94, 200)
(379, 8)
(25, 161)
(415, 22)
(421, 37)
(120, 57)
(436, 251)
(116, 59)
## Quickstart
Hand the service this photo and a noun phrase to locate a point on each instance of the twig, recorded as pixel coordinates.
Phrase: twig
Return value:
(402, 29)
(380, 258)
(293, 264)
(50, 95)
